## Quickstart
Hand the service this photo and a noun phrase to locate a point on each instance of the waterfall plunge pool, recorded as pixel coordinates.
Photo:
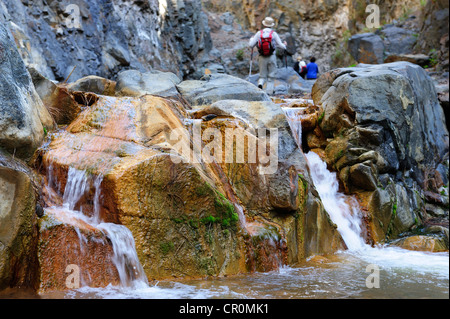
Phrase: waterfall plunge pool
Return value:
(402, 274)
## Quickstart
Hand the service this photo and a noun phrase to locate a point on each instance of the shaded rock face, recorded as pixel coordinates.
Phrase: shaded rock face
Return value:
(22, 114)
(18, 231)
(434, 31)
(103, 37)
(422, 38)
(390, 43)
(59, 101)
(388, 139)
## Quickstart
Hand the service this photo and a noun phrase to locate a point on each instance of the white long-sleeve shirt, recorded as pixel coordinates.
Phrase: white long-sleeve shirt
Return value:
(276, 41)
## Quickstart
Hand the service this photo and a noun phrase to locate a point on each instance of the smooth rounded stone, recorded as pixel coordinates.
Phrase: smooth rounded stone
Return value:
(287, 81)
(94, 84)
(219, 87)
(135, 83)
(260, 114)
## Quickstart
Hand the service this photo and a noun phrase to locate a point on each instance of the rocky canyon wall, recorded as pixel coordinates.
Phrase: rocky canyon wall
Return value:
(107, 36)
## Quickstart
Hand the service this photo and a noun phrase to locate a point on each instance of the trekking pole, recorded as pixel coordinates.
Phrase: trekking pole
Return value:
(251, 62)
(285, 59)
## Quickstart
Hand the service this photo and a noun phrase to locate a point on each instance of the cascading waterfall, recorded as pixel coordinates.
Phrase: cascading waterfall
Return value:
(346, 216)
(343, 210)
(131, 272)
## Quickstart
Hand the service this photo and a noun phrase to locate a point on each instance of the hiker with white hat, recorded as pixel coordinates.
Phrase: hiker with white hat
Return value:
(267, 41)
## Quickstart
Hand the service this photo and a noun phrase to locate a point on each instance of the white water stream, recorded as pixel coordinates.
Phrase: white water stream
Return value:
(125, 258)
(343, 210)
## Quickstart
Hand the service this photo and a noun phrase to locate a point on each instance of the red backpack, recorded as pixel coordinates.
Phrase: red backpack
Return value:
(265, 47)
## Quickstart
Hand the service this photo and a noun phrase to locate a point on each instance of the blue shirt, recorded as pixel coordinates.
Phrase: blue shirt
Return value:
(311, 70)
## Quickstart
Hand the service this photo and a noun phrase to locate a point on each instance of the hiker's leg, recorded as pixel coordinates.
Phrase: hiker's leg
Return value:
(263, 71)
(272, 73)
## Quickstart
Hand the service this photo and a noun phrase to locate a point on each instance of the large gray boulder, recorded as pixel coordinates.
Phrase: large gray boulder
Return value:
(135, 83)
(397, 102)
(218, 87)
(386, 136)
(23, 116)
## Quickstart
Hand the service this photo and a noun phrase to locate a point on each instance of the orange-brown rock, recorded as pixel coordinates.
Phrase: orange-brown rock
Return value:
(316, 138)
(309, 122)
(422, 243)
(66, 249)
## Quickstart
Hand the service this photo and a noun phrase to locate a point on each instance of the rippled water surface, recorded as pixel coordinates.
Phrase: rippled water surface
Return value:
(403, 274)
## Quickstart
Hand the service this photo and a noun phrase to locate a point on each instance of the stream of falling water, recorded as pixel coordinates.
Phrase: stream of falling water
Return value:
(125, 258)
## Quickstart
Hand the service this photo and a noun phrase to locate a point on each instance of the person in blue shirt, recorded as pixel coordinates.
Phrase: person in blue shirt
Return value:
(312, 69)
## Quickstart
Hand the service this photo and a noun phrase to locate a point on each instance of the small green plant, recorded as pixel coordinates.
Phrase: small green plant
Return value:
(304, 181)
(166, 247)
(234, 218)
(209, 220)
(339, 155)
(45, 131)
(193, 223)
(240, 55)
(225, 222)
(203, 190)
(321, 116)
(394, 209)
(178, 220)
(433, 59)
